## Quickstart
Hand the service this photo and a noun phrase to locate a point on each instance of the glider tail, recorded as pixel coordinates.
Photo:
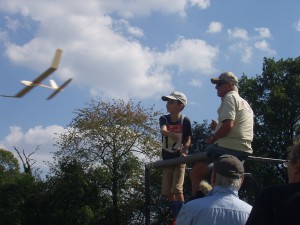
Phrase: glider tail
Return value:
(59, 89)
(53, 85)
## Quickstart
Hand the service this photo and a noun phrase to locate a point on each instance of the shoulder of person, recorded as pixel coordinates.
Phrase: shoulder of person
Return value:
(232, 95)
(185, 118)
(165, 117)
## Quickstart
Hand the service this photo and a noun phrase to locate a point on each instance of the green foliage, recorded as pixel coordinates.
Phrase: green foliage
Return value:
(274, 97)
(75, 196)
(9, 166)
(201, 131)
(98, 175)
(19, 200)
(115, 139)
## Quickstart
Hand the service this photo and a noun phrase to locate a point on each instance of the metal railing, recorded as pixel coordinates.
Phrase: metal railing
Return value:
(184, 160)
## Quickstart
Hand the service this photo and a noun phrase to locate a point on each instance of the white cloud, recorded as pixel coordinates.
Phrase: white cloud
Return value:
(203, 4)
(124, 26)
(136, 31)
(263, 32)
(245, 45)
(42, 137)
(12, 24)
(100, 52)
(195, 83)
(215, 27)
(297, 25)
(264, 46)
(191, 54)
(138, 8)
(238, 33)
(244, 50)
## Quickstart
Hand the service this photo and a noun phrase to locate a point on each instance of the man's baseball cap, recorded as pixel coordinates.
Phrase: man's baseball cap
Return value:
(228, 166)
(227, 77)
(175, 95)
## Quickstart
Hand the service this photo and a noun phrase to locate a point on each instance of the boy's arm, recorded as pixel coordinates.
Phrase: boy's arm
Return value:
(185, 147)
(165, 132)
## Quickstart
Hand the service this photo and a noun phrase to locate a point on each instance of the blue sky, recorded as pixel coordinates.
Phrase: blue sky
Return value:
(124, 49)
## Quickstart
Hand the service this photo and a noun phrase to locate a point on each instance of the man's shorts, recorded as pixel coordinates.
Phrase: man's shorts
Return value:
(214, 152)
(173, 179)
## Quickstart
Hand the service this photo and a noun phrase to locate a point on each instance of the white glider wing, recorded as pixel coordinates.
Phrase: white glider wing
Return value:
(43, 76)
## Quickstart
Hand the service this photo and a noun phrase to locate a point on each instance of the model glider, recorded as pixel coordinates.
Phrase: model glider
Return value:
(37, 82)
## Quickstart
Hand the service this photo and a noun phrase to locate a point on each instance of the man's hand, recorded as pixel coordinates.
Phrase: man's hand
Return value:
(211, 139)
(213, 124)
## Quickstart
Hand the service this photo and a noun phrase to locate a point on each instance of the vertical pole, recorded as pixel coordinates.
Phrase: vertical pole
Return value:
(147, 196)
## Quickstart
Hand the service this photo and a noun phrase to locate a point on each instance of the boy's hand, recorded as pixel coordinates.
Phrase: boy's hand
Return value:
(183, 151)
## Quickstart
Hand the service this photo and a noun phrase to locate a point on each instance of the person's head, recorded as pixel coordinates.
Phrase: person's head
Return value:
(226, 82)
(176, 101)
(228, 171)
(294, 163)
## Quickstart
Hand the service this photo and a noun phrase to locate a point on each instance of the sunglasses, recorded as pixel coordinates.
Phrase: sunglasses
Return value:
(220, 83)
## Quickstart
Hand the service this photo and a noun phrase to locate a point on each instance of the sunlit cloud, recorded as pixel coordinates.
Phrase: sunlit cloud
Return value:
(297, 25)
(263, 32)
(264, 46)
(195, 83)
(244, 50)
(99, 50)
(28, 141)
(215, 27)
(191, 55)
(238, 33)
(203, 4)
(12, 24)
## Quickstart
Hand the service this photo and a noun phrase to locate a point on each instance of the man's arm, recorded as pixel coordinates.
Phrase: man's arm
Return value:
(225, 128)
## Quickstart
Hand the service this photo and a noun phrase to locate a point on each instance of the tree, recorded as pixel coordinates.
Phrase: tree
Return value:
(20, 201)
(27, 161)
(73, 196)
(116, 138)
(8, 162)
(9, 166)
(201, 131)
(274, 97)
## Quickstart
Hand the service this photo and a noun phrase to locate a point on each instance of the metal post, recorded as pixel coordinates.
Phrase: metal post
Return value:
(147, 196)
(161, 164)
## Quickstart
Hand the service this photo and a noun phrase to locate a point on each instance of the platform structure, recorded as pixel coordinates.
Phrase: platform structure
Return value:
(185, 160)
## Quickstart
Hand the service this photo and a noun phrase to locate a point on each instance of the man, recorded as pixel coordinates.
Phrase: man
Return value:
(233, 133)
(280, 204)
(176, 133)
(222, 205)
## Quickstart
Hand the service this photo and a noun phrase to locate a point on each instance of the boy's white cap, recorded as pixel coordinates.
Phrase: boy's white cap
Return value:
(175, 95)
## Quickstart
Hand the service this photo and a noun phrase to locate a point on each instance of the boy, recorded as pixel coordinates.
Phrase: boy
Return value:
(176, 133)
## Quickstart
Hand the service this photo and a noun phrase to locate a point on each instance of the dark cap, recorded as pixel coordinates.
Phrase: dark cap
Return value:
(229, 166)
(227, 77)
